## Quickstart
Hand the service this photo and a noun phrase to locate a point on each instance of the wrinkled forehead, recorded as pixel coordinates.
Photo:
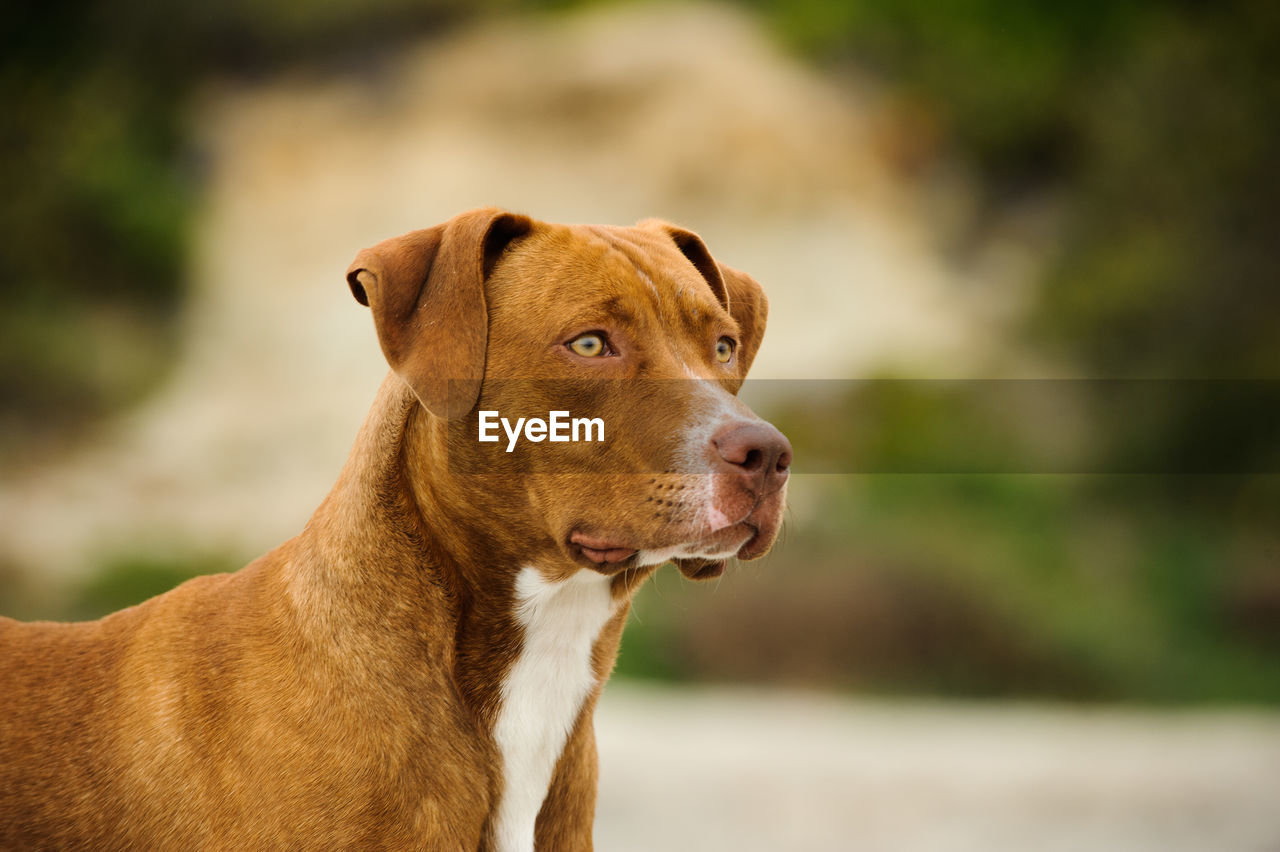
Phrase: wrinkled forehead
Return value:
(627, 275)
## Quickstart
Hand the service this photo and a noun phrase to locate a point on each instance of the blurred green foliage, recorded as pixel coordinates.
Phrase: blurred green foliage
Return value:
(101, 180)
(129, 579)
(1007, 80)
(122, 580)
(1156, 123)
(991, 585)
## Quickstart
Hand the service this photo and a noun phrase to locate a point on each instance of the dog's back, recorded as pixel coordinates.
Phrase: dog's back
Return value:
(57, 697)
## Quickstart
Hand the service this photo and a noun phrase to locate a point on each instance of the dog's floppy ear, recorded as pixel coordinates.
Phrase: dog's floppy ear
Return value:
(740, 294)
(426, 291)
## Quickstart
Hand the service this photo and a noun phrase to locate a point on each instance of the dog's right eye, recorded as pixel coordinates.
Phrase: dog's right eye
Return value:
(590, 345)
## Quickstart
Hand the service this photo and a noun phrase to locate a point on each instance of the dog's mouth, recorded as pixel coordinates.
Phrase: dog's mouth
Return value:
(699, 559)
(600, 552)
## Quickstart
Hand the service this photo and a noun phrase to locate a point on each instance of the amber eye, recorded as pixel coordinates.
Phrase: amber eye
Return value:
(590, 345)
(724, 349)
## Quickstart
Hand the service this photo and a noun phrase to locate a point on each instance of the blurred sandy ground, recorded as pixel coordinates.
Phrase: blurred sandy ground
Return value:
(747, 770)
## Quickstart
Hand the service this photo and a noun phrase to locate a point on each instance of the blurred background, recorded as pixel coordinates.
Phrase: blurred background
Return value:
(1071, 642)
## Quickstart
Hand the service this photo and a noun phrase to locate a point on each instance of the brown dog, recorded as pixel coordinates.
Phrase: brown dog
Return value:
(419, 667)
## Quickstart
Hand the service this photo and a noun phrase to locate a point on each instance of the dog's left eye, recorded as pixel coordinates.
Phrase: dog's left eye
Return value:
(724, 349)
(591, 345)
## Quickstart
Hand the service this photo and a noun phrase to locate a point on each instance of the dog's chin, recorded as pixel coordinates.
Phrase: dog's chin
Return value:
(711, 564)
(700, 569)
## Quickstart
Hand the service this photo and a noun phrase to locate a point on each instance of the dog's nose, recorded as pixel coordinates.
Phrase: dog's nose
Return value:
(757, 451)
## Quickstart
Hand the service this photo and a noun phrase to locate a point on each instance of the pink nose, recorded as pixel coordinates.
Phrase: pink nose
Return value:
(758, 452)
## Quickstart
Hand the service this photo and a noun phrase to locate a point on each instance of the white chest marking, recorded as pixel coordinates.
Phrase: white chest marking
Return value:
(544, 691)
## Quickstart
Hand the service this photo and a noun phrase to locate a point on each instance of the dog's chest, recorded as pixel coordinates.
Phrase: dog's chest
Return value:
(544, 690)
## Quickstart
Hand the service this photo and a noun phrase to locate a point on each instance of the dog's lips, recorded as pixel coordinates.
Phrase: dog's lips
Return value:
(601, 551)
(750, 536)
(764, 522)
(700, 556)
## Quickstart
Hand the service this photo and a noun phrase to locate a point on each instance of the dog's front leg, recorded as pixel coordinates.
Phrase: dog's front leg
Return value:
(567, 814)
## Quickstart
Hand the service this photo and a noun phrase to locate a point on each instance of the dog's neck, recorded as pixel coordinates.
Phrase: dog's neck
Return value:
(434, 577)
(408, 528)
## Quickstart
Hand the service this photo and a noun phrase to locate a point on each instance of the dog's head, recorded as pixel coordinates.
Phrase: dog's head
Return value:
(640, 329)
